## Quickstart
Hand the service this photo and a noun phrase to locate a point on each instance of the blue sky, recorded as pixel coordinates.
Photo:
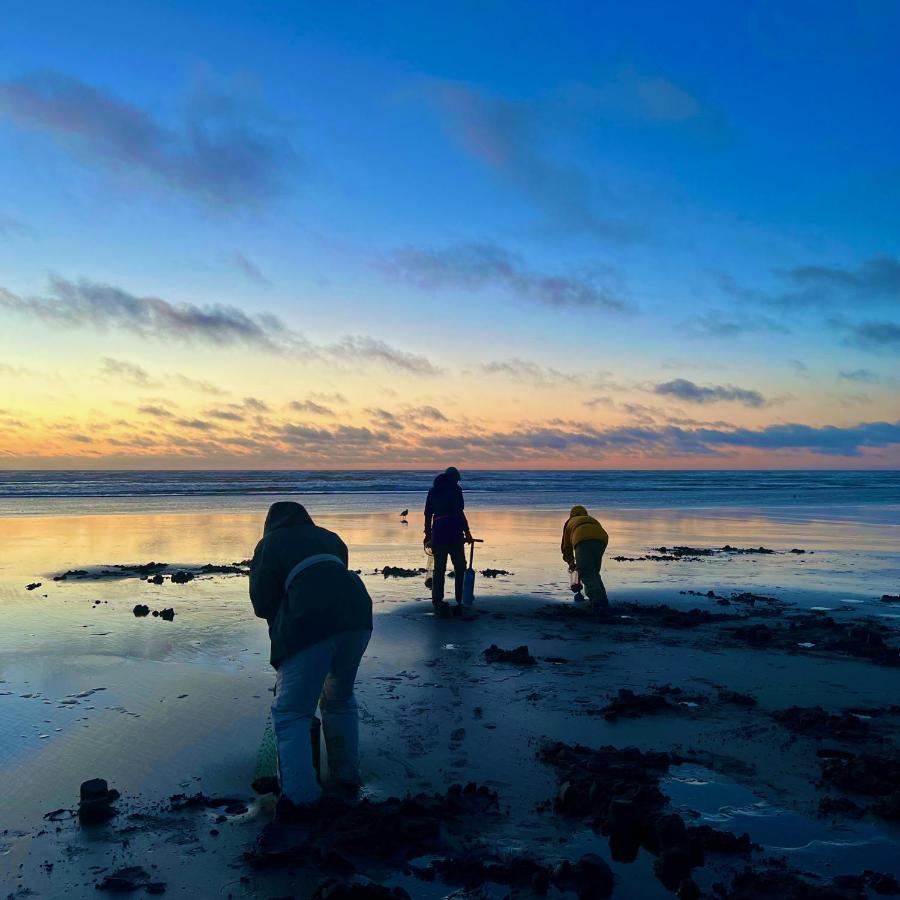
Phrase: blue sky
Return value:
(554, 223)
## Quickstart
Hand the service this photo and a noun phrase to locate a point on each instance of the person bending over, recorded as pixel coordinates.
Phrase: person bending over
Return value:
(446, 532)
(584, 541)
(320, 621)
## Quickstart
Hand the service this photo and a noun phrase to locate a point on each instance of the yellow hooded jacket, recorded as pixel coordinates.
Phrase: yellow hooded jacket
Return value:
(580, 527)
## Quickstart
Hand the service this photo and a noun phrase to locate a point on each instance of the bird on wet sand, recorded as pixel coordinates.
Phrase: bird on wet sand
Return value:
(403, 516)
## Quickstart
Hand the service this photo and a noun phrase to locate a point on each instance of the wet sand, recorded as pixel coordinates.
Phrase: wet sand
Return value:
(159, 708)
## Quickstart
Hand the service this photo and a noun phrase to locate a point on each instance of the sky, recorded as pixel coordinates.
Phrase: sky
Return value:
(498, 235)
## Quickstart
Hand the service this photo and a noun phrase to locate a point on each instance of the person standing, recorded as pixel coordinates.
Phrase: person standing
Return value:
(584, 541)
(446, 533)
(320, 621)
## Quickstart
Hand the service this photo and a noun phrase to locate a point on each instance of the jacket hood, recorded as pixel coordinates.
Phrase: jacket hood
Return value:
(284, 514)
(445, 482)
(577, 511)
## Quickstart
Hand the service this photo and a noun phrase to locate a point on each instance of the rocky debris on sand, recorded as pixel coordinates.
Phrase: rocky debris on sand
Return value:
(589, 877)
(779, 882)
(840, 808)
(167, 614)
(241, 568)
(890, 598)
(230, 805)
(629, 705)
(155, 579)
(393, 830)
(95, 804)
(866, 775)
(72, 573)
(129, 879)
(635, 615)
(736, 698)
(182, 577)
(335, 889)
(817, 722)
(519, 656)
(494, 573)
(141, 609)
(747, 597)
(399, 572)
(618, 791)
(33, 586)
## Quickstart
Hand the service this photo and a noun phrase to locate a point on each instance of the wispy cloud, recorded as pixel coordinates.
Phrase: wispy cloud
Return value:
(508, 136)
(250, 269)
(159, 412)
(122, 370)
(874, 279)
(89, 304)
(690, 392)
(354, 348)
(224, 152)
(517, 369)
(719, 324)
(311, 406)
(475, 266)
(871, 334)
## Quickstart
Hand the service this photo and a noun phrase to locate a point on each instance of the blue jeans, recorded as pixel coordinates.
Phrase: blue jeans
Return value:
(322, 675)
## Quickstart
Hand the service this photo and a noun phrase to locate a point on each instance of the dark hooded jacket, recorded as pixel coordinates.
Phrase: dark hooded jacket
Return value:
(445, 517)
(322, 600)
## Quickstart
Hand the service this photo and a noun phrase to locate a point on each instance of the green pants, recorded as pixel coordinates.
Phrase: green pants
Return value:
(588, 559)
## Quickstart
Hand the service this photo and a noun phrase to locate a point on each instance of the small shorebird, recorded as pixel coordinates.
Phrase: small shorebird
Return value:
(404, 514)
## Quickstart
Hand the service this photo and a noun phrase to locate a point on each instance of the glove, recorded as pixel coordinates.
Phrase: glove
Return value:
(427, 542)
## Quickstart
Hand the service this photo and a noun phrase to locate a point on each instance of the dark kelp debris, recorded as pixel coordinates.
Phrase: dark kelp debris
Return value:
(518, 656)
(618, 791)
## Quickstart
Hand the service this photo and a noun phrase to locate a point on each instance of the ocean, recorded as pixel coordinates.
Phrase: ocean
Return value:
(61, 492)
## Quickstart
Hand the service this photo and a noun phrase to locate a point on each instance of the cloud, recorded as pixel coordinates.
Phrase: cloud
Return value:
(223, 151)
(89, 304)
(121, 370)
(361, 348)
(690, 392)
(198, 384)
(255, 404)
(867, 376)
(226, 415)
(715, 323)
(871, 334)
(12, 228)
(249, 268)
(474, 266)
(527, 370)
(311, 406)
(431, 413)
(196, 424)
(538, 441)
(874, 279)
(510, 137)
(159, 412)
(325, 397)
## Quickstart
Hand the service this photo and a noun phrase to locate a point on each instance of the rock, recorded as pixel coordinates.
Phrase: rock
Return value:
(126, 880)
(155, 579)
(400, 572)
(182, 577)
(890, 598)
(95, 803)
(334, 889)
(494, 573)
(167, 614)
(816, 722)
(736, 698)
(627, 704)
(71, 573)
(518, 656)
(141, 610)
(33, 586)
(590, 877)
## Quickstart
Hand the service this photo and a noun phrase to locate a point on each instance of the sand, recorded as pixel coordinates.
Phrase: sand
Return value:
(159, 708)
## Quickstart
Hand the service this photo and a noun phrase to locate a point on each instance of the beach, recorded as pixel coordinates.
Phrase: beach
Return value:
(762, 607)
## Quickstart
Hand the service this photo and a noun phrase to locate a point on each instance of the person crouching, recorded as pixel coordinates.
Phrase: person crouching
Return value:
(320, 621)
(584, 541)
